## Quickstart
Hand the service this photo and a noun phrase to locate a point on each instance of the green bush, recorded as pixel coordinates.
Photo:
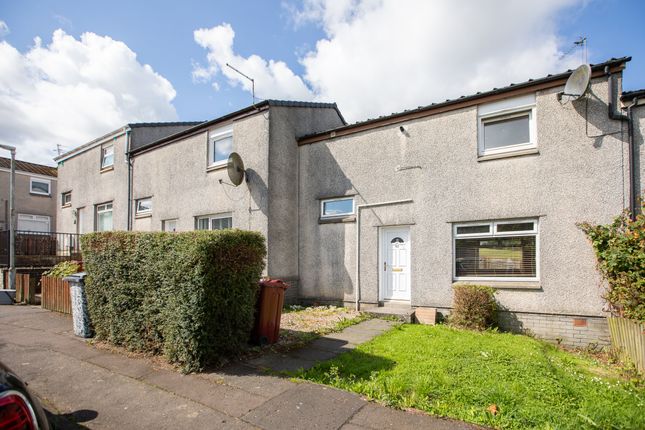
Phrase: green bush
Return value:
(474, 307)
(620, 250)
(189, 296)
(64, 268)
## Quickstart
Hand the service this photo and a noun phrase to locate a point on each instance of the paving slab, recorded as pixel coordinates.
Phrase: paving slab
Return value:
(281, 362)
(132, 367)
(230, 400)
(335, 345)
(306, 406)
(376, 417)
(248, 379)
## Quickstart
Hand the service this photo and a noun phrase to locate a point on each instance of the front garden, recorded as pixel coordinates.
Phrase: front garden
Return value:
(489, 378)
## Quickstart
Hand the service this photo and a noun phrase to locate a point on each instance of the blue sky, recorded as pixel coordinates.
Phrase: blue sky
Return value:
(370, 60)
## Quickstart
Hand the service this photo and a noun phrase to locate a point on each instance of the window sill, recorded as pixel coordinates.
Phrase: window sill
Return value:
(336, 220)
(339, 196)
(144, 215)
(503, 285)
(68, 205)
(518, 153)
(214, 167)
(107, 169)
(40, 194)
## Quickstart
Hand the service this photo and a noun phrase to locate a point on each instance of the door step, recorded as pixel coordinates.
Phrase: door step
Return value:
(402, 313)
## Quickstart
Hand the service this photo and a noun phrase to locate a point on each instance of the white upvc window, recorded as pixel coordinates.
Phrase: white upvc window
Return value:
(505, 250)
(214, 222)
(507, 126)
(144, 206)
(169, 225)
(104, 217)
(107, 156)
(40, 186)
(220, 146)
(66, 199)
(336, 207)
(37, 223)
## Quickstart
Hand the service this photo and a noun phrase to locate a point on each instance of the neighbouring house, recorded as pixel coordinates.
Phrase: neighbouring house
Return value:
(35, 210)
(483, 189)
(35, 196)
(93, 190)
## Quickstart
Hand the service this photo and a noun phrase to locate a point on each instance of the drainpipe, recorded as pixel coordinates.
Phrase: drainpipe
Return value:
(12, 217)
(357, 292)
(616, 115)
(633, 195)
(129, 161)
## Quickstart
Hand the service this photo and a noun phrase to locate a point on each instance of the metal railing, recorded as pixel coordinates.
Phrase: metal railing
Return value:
(40, 249)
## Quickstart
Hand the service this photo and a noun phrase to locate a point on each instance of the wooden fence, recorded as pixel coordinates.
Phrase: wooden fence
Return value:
(628, 337)
(25, 290)
(55, 295)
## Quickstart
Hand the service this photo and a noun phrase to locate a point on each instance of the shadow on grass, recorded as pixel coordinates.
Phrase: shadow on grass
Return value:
(362, 365)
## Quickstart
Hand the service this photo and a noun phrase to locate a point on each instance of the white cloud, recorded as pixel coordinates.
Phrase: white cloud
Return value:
(273, 79)
(383, 56)
(4, 28)
(74, 90)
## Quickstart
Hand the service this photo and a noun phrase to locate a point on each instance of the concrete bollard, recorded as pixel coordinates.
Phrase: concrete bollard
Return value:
(80, 315)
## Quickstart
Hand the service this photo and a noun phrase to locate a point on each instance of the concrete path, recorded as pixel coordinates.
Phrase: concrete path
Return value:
(84, 387)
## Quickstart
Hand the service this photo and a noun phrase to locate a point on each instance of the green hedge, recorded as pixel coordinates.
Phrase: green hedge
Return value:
(620, 250)
(189, 296)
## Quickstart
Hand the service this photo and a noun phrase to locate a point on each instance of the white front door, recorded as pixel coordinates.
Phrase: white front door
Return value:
(395, 264)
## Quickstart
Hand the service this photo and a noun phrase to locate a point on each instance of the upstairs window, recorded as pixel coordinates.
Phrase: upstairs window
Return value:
(66, 199)
(107, 156)
(39, 186)
(337, 207)
(144, 206)
(507, 126)
(220, 146)
(214, 222)
(496, 251)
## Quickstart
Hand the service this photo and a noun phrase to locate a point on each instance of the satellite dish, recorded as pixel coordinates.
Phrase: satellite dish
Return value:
(235, 168)
(577, 83)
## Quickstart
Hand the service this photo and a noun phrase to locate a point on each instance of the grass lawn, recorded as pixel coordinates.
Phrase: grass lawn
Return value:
(466, 375)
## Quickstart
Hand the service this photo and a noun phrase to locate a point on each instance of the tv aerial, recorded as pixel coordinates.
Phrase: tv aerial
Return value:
(577, 84)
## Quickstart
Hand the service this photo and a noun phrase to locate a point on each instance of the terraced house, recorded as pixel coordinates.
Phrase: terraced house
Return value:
(393, 211)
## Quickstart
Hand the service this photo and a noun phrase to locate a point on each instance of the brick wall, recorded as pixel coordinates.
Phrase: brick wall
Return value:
(568, 330)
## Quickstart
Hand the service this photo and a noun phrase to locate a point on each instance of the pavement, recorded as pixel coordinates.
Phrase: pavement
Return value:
(85, 387)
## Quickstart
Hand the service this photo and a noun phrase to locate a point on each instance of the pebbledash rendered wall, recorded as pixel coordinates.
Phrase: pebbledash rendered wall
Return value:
(81, 174)
(575, 177)
(182, 187)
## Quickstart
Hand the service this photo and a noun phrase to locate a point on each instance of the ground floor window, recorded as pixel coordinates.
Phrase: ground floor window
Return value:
(104, 217)
(496, 250)
(214, 222)
(39, 223)
(169, 225)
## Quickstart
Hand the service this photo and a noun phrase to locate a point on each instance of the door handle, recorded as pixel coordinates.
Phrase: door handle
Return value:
(385, 266)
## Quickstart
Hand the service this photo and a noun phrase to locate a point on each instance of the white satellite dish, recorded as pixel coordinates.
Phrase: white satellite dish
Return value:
(577, 84)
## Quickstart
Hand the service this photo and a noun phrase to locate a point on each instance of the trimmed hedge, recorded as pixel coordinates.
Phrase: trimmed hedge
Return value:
(189, 296)
(474, 307)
